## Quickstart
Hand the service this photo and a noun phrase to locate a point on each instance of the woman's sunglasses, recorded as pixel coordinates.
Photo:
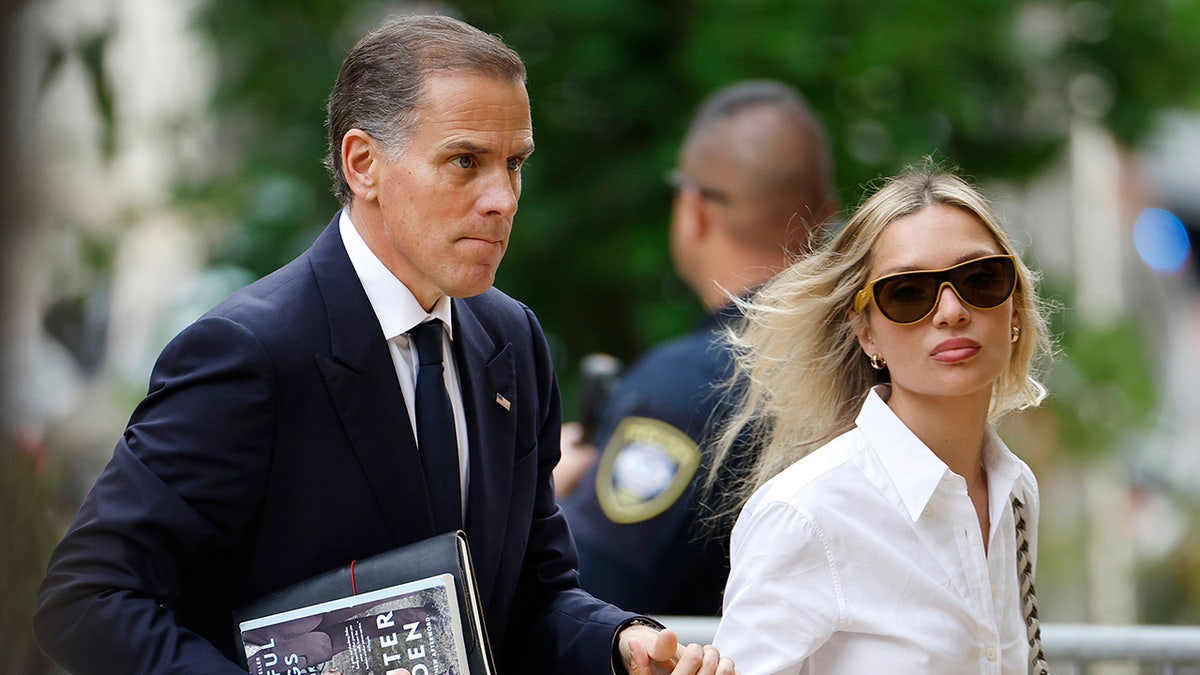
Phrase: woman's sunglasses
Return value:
(909, 297)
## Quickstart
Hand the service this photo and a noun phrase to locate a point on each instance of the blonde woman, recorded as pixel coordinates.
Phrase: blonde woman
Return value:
(885, 527)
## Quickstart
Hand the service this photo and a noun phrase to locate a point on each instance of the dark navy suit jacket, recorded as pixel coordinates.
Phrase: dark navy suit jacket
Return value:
(274, 445)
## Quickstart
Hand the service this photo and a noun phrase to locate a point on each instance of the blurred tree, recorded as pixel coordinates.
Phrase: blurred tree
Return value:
(16, 205)
(28, 528)
(1169, 588)
(985, 86)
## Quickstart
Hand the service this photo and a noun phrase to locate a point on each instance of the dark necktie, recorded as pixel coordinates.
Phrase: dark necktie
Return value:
(436, 440)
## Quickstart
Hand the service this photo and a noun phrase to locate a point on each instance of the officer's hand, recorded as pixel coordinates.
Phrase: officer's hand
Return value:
(577, 458)
(646, 651)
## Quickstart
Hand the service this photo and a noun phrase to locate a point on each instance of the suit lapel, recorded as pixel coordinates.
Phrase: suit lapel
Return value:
(361, 379)
(486, 371)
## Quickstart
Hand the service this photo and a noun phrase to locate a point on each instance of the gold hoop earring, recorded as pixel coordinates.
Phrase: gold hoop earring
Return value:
(877, 362)
(1016, 333)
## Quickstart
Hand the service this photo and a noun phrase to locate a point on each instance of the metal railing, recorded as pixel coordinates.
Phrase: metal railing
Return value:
(1070, 648)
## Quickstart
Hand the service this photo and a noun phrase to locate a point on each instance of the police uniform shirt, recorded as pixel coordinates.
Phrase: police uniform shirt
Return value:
(644, 490)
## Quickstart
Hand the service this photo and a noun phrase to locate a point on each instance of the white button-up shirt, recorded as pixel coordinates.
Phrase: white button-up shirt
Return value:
(866, 556)
(398, 312)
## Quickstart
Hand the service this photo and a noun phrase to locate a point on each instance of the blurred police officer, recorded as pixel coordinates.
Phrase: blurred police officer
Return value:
(752, 188)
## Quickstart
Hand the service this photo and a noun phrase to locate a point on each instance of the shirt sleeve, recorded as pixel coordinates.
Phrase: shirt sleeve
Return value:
(783, 599)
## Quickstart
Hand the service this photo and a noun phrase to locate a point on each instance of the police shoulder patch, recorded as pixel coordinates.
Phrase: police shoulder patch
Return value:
(645, 468)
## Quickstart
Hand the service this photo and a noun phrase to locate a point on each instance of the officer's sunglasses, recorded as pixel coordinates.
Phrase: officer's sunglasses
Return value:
(681, 181)
(908, 297)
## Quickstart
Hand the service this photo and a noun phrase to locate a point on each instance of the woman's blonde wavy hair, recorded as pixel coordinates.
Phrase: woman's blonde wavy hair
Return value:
(800, 375)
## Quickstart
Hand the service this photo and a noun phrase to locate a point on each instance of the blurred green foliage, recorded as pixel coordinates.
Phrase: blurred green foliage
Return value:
(1101, 387)
(985, 86)
(1169, 588)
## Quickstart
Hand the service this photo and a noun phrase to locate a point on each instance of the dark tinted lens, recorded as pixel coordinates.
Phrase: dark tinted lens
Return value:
(909, 297)
(984, 283)
(906, 297)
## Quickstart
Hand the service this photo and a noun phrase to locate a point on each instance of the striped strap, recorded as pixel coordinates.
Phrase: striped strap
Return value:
(1033, 626)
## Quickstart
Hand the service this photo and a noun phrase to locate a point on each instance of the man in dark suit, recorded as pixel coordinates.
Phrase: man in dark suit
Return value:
(281, 436)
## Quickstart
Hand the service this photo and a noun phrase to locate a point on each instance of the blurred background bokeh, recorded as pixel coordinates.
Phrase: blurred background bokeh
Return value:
(157, 155)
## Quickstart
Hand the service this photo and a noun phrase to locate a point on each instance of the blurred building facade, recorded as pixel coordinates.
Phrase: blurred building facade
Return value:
(110, 111)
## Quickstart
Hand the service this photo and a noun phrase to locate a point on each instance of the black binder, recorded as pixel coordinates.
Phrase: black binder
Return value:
(446, 553)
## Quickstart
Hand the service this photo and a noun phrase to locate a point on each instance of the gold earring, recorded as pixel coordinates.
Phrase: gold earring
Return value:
(1016, 333)
(877, 362)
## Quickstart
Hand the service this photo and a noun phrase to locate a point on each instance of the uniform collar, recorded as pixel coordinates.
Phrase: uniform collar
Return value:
(723, 317)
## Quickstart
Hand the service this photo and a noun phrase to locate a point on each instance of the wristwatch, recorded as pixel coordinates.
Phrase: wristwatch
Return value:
(618, 663)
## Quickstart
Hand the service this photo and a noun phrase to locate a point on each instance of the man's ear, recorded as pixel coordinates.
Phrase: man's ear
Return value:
(706, 214)
(360, 163)
(688, 216)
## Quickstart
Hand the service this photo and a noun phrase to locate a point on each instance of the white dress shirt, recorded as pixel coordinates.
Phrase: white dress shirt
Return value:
(398, 312)
(866, 557)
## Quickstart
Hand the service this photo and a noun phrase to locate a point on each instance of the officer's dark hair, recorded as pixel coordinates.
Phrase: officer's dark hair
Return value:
(808, 178)
(382, 81)
(743, 95)
(731, 100)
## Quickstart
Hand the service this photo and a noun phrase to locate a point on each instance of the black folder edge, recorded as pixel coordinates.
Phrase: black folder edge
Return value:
(440, 554)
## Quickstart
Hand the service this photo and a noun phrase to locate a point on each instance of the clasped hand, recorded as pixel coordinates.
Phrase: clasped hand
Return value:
(646, 651)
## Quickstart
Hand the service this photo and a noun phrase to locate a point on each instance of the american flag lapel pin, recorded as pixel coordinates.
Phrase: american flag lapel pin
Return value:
(503, 402)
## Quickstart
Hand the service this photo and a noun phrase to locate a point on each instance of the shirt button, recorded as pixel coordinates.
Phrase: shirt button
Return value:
(991, 653)
(928, 511)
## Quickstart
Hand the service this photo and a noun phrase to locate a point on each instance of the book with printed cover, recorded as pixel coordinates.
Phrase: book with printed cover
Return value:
(410, 611)
(410, 629)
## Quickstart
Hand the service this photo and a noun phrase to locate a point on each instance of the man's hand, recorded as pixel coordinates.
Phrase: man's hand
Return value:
(646, 651)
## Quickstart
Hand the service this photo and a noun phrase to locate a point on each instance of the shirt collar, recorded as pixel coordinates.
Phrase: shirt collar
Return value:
(914, 469)
(911, 465)
(1004, 472)
(395, 306)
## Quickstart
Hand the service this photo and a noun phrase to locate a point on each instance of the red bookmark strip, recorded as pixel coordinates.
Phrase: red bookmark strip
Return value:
(353, 583)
